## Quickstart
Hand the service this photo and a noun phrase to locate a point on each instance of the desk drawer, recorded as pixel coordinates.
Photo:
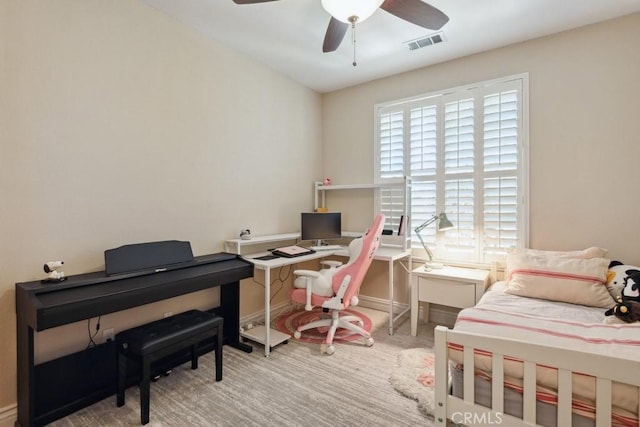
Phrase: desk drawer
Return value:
(447, 292)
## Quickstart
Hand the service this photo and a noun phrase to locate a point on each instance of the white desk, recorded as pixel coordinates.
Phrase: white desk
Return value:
(269, 337)
(391, 255)
(264, 334)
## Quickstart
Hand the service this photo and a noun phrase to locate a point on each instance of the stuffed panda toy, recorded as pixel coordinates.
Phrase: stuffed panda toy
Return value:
(630, 291)
(623, 281)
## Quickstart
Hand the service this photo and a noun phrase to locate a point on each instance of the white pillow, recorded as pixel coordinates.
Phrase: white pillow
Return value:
(573, 280)
(592, 252)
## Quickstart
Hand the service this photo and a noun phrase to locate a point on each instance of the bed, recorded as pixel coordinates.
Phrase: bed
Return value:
(538, 350)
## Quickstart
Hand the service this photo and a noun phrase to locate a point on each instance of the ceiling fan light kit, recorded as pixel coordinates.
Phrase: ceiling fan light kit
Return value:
(351, 11)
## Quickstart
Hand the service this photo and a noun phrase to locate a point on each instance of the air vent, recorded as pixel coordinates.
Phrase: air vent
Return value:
(429, 40)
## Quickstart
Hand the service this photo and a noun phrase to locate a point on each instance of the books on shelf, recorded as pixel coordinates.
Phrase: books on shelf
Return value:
(402, 228)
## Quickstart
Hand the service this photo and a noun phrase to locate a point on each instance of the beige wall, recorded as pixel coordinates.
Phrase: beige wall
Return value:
(120, 125)
(584, 130)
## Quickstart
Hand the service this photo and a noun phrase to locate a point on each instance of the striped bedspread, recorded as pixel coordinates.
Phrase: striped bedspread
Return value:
(556, 324)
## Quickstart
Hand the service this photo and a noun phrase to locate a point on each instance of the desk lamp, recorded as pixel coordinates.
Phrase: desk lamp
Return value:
(443, 224)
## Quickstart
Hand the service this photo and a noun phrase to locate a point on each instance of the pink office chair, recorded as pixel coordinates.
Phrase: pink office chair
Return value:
(336, 288)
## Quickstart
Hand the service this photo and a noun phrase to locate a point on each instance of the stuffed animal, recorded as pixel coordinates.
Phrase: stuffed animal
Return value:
(630, 292)
(627, 311)
(623, 281)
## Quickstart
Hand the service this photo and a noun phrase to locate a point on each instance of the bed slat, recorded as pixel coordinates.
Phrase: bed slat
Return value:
(442, 373)
(603, 402)
(468, 393)
(497, 383)
(529, 392)
(564, 397)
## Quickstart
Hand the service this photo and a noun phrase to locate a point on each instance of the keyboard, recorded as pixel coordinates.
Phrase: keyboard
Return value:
(326, 248)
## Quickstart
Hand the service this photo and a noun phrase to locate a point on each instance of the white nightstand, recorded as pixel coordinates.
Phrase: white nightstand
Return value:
(450, 286)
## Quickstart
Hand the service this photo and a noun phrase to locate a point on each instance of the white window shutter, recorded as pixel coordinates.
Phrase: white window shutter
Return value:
(391, 145)
(500, 215)
(423, 207)
(465, 151)
(458, 136)
(392, 206)
(501, 131)
(459, 205)
(423, 141)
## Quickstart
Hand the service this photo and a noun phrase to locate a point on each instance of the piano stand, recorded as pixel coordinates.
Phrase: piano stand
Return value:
(43, 306)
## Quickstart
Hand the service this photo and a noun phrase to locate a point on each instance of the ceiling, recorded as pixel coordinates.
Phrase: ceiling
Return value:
(287, 35)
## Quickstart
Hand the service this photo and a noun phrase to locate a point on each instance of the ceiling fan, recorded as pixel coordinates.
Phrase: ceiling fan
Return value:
(349, 12)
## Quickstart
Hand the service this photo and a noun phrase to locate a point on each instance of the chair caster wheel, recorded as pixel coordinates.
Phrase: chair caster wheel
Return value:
(369, 342)
(297, 335)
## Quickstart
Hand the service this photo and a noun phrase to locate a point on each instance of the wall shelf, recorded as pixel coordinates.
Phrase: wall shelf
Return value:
(235, 245)
(404, 183)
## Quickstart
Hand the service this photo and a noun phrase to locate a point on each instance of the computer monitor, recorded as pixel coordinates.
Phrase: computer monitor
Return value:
(320, 226)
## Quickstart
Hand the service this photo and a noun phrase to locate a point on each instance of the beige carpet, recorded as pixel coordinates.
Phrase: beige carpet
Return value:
(296, 386)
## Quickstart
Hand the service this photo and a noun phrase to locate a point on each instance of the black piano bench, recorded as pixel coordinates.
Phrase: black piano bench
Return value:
(149, 343)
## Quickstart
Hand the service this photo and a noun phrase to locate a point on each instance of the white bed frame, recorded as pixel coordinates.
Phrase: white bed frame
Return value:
(465, 411)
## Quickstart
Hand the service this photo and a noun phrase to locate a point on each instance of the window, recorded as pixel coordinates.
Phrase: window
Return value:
(465, 150)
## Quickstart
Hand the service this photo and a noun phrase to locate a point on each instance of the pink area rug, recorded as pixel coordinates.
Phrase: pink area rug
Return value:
(288, 323)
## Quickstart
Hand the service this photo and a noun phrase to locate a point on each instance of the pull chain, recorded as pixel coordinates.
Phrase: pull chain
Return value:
(353, 20)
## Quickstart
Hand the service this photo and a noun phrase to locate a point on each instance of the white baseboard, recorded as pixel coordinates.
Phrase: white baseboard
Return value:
(437, 314)
(8, 415)
(381, 304)
(257, 318)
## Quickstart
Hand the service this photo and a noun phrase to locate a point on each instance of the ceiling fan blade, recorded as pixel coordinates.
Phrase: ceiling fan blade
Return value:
(335, 33)
(417, 12)
(250, 1)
